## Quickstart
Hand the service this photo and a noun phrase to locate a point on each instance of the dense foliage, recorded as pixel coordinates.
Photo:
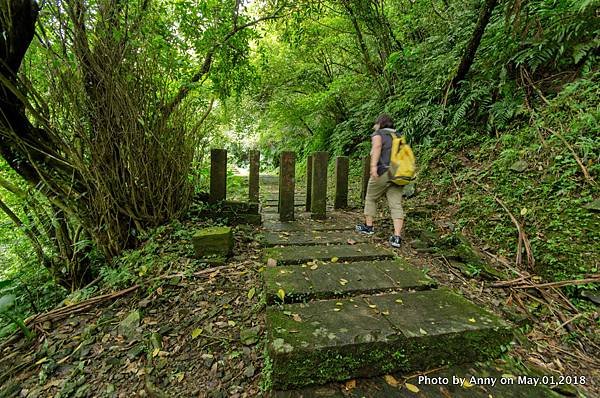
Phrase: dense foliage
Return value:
(109, 109)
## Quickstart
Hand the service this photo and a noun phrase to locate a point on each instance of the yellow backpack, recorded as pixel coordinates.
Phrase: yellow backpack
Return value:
(402, 161)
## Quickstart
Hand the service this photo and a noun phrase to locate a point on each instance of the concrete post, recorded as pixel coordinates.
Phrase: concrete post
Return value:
(319, 186)
(366, 171)
(287, 180)
(218, 175)
(309, 165)
(341, 182)
(253, 191)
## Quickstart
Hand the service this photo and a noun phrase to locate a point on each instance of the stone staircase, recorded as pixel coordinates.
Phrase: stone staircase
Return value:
(341, 307)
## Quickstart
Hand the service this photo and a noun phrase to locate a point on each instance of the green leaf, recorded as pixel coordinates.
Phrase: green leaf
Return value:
(251, 293)
(6, 302)
(281, 294)
(197, 332)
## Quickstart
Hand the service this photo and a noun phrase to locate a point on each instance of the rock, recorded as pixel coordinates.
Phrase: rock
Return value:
(519, 166)
(593, 206)
(128, 326)
(249, 336)
(208, 360)
(249, 372)
(213, 241)
(409, 190)
(592, 296)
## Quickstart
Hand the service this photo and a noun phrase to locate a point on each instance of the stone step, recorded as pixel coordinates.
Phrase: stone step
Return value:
(331, 280)
(327, 225)
(302, 254)
(312, 238)
(487, 380)
(343, 339)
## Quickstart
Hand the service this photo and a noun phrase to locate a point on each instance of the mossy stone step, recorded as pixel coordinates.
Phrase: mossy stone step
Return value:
(301, 254)
(314, 225)
(311, 238)
(442, 383)
(330, 280)
(342, 339)
(213, 241)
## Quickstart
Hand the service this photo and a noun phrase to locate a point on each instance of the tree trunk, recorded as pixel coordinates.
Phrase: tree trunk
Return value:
(469, 54)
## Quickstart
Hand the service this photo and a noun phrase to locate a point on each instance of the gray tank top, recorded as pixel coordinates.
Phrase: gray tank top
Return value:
(386, 149)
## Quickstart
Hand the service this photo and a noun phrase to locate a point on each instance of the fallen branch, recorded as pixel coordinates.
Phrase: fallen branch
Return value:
(62, 312)
(518, 283)
(523, 240)
(586, 174)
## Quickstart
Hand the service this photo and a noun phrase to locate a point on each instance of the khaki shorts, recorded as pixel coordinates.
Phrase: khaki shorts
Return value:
(376, 189)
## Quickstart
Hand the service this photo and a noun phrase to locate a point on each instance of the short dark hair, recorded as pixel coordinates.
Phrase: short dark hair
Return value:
(384, 121)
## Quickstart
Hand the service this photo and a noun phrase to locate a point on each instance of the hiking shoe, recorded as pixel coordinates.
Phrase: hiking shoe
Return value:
(365, 229)
(395, 241)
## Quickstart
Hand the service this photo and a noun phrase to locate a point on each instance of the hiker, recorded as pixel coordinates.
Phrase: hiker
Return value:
(380, 181)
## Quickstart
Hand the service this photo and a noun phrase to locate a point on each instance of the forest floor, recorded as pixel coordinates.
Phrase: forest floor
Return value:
(200, 330)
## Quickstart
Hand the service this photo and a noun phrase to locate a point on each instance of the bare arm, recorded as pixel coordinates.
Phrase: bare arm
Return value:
(376, 143)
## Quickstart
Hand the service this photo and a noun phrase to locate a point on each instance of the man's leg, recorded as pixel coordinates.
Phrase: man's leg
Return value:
(375, 189)
(394, 197)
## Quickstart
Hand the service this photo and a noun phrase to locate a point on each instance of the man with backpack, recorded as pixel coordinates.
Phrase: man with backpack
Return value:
(392, 167)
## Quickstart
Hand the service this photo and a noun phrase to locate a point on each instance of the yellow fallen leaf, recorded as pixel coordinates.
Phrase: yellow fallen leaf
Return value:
(337, 309)
(372, 306)
(334, 259)
(197, 332)
(472, 320)
(251, 293)
(399, 301)
(411, 387)
(466, 384)
(339, 303)
(350, 385)
(386, 312)
(313, 267)
(422, 331)
(231, 323)
(391, 380)
(296, 317)
(180, 376)
(155, 352)
(281, 294)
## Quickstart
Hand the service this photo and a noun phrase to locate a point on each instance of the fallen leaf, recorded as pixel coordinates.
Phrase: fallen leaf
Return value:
(281, 294)
(399, 301)
(472, 320)
(351, 241)
(466, 384)
(422, 331)
(411, 387)
(231, 323)
(523, 211)
(251, 293)
(180, 376)
(337, 309)
(339, 303)
(343, 282)
(197, 332)
(350, 385)
(391, 380)
(334, 259)
(155, 352)
(313, 267)
(386, 312)
(296, 317)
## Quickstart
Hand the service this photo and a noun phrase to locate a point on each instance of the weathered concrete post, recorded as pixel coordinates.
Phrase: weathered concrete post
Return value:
(341, 182)
(254, 175)
(287, 180)
(366, 171)
(218, 175)
(319, 186)
(309, 165)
